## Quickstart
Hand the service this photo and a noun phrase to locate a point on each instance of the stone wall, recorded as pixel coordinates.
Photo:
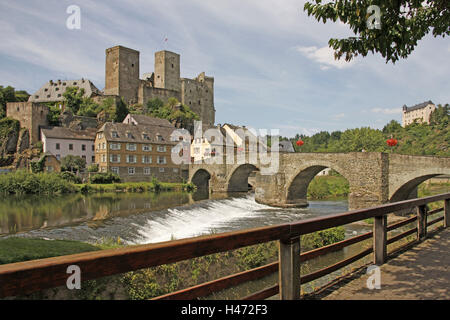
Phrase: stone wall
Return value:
(31, 115)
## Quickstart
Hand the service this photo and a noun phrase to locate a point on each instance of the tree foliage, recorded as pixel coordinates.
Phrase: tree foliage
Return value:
(73, 163)
(415, 139)
(403, 24)
(177, 113)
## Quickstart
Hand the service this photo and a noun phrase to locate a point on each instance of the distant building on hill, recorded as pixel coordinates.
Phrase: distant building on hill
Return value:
(420, 112)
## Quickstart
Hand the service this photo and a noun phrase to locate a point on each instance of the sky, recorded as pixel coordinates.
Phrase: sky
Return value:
(270, 61)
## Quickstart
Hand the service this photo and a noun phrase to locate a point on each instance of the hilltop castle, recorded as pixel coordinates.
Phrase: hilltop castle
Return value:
(122, 79)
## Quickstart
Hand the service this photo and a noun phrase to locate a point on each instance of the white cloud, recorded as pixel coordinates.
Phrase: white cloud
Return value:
(324, 56)
(387, 110)
(339, 116)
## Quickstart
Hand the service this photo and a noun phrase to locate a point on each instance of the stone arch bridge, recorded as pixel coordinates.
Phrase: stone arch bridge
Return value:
(374, 178)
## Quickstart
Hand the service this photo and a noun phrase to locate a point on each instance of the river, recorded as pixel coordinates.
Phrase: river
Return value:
(141, 218)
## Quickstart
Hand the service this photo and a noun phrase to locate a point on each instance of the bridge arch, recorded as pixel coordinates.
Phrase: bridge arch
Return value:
(404, 187)
(201, 179)
(298, 185)
(238, 180)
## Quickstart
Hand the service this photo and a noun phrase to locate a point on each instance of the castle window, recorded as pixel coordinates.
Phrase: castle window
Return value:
(45, 89)
(57, 89)
(83, 147)
(59, 96)
(132, 65)
(48, 96)
(172, 66)
(37, 97)
(64, 83)
(199, 102)
(18, 109)
(70, 146)
(74, 83)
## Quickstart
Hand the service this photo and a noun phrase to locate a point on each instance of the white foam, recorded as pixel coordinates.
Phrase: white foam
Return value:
(182, 223)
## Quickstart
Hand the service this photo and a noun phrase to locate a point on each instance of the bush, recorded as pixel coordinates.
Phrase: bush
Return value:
(69, 176)
(23, 182)
(93, 168)
(104, 178)
(322, 238)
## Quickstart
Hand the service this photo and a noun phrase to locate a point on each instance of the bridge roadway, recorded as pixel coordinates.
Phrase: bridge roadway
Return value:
(420, 273)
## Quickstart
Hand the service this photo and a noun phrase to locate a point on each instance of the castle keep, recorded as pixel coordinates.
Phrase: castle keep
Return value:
(122, 78)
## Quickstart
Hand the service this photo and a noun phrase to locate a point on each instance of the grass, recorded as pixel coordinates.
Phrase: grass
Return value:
(22, 249)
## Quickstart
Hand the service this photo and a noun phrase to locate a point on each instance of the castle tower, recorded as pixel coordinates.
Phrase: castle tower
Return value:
(122, 73)
(167, 70)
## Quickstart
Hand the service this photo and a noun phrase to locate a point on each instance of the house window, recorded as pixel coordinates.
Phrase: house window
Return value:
(129, 135)
(103, 157)
(104, 146)
(131, 159)
(103, 169)
(196, 150)
(83, 147)
(93, 158)
(146, 147)
(147, 171)
(162, 149)
(114, 158)
(146, 159)
(175, 170)
(131, 146)
(114, 134)
(100, 136)
(93, 147)
(159, 138)
(70, 146)
(131, 171)
(58, 157)
(84, 158)
(115, 170)
(162, 160)
(49, 169)
(145, 136)
(114, 146)
(58, 146)
(161, 170)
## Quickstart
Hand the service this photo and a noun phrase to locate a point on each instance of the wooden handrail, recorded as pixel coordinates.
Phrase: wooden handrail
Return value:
(30, 276)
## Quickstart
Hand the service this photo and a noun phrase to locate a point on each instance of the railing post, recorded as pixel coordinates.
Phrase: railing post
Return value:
(446, 213)
(421, 222)
(289, 269)
(380, 240)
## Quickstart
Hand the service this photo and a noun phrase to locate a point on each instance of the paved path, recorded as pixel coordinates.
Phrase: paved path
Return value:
(421, 273)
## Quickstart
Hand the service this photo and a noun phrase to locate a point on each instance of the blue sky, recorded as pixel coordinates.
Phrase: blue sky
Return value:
(271, 63)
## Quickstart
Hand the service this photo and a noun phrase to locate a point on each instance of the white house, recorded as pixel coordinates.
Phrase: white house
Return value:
(61, 142)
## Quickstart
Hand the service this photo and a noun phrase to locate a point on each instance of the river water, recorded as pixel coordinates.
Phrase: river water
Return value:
(141, 218)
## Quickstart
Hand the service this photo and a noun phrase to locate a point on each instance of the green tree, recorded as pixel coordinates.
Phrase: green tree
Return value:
(154, 104)
(392, 127)
(403, 24)
(73, 163)
(73, 98)
(175, 112)
(121, 110)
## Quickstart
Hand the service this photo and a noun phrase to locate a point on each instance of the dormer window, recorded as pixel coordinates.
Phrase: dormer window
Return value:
(114, 134)
(145, 136)
(129, 135)
(159, 138)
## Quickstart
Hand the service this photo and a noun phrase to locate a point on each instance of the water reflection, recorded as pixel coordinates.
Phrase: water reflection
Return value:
(25, 213)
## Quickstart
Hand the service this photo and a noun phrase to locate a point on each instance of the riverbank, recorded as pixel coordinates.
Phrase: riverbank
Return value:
(23, 182)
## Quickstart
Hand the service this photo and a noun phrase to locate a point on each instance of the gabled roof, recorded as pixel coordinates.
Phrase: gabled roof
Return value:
(131, 133)
(53, 91)
(66, 133)
(149, 121)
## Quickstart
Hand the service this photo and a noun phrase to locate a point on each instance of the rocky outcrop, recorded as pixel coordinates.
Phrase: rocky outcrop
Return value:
(24, 140)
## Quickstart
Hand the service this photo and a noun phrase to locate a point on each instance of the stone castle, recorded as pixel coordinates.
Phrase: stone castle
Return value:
(122, 79)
